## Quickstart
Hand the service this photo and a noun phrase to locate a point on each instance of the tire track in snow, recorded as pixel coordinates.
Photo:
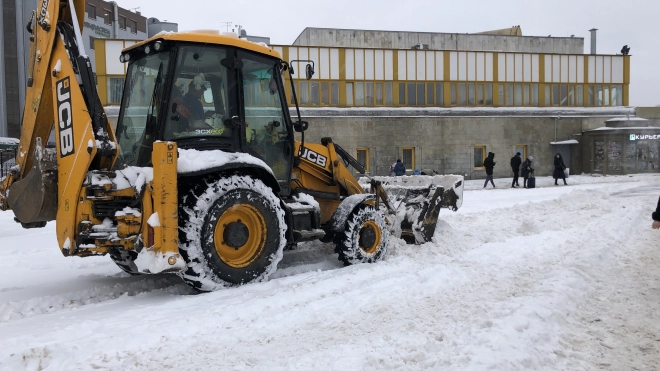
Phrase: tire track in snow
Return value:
(425, 305)
(96, 291)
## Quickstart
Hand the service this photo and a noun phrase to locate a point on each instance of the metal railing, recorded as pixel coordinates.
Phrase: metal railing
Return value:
(7, 161)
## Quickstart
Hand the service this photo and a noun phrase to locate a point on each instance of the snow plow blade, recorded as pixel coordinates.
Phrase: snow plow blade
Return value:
(415, 202)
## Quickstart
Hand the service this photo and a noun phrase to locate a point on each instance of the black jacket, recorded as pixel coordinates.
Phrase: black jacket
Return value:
(656, 214)
(489, 164)
(515, 163)
(559, 163)
(526, 168)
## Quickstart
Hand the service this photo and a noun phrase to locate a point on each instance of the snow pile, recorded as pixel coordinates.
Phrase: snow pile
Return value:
(153, 261)
(192, 161)
(304, 198)
(9, 141)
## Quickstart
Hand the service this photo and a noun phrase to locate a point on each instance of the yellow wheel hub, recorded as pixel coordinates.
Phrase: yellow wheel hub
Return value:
(370, 237)
(240, 235)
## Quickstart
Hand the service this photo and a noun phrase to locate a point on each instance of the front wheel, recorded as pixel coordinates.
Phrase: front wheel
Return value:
(232, 232)
(365, 238)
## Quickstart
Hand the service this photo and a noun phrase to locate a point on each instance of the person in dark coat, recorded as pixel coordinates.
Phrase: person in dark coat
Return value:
(656, 217)
(399, 168)
(489, 164)
(515, 167)
(527, 169)
(559, 169)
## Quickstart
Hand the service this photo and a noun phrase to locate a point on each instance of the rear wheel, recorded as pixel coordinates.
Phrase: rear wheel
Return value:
(365, 238)
(232, 232)
(125, 260)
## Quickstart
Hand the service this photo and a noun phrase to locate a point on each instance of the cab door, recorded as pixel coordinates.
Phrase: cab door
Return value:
(268, 132)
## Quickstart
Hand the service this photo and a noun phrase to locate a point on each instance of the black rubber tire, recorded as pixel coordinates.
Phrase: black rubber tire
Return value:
(347, 244)
(201, 207)
(125, 260)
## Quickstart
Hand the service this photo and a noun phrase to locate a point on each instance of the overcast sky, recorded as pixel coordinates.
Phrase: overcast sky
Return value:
(619, 22)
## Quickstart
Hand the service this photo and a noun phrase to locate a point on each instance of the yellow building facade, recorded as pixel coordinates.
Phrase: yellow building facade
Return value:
(350, 77)
(361, 77)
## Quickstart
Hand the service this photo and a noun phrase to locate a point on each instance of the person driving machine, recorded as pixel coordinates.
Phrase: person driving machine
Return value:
(189, 108)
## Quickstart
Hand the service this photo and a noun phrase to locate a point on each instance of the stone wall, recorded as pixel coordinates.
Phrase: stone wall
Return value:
(329, 37)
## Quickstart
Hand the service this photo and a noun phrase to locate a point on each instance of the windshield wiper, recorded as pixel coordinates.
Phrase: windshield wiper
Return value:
(153, 96)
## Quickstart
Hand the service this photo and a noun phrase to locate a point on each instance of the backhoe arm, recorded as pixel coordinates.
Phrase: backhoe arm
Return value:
(60, 92)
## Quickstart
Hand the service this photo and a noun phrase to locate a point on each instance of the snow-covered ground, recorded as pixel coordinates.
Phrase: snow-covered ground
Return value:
(552, 278)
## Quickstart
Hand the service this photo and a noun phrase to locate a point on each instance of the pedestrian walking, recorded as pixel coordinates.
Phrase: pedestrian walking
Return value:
(516, 161)
(399, 168)
(559, 169)
(391, 172)
(526, 170)
(489, 164)
(656, 217)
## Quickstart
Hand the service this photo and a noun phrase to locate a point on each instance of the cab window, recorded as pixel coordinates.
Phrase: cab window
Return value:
(199, 102)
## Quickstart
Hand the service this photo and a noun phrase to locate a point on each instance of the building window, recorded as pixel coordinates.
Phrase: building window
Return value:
(430, 100)
(133, 26)
(412, 96)
(409, 157)
(522, 148)
(489, 94)
(388, 94)
(122, 22)
(359, 94)
(91, 42)
(402, 94)
(462, 96)
(334, 92)
(363, 158)
(379, 94)
(439, 95)
(304, 93)
(316, 99)
(471, 97)
(509, 94)
(91, 11)
(452, 94)
(325, 94)
(479, 156)
(115, 89)
(349, 93)
(370, 94)
(107, 16)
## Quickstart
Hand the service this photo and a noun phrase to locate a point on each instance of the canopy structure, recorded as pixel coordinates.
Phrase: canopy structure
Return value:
(570, 141)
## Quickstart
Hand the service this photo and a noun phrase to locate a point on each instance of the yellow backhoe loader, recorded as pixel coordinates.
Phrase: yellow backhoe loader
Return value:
(202, 175)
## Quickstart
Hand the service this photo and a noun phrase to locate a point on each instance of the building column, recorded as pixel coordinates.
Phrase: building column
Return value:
(3, 86)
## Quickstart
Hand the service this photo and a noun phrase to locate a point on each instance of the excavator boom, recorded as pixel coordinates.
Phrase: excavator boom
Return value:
(60, 91)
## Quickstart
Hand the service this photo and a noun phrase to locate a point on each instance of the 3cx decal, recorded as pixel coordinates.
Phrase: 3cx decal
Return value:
(64, 117)
(314, 157)
(643, 137)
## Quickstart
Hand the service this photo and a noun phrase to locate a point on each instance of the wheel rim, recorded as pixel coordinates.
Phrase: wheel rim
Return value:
(369, 237)
(240, 235)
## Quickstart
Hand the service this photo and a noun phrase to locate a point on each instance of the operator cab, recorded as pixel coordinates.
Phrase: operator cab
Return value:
(205, 96)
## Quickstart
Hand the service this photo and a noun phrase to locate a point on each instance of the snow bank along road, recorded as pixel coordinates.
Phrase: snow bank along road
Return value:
(549, 278)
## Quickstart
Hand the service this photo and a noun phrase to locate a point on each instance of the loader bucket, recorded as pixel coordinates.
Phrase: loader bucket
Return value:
(33, 199)
(416, 201)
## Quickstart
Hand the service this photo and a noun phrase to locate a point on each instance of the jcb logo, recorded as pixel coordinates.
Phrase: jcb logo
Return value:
(314, 157)
(64, 117)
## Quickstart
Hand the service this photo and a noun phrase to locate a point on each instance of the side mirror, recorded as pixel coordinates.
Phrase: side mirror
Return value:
(309, 71)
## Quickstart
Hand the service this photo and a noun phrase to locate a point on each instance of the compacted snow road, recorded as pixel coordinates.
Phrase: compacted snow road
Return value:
(548, 278)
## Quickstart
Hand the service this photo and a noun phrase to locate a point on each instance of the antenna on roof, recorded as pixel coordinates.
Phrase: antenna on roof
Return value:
(226, 24)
